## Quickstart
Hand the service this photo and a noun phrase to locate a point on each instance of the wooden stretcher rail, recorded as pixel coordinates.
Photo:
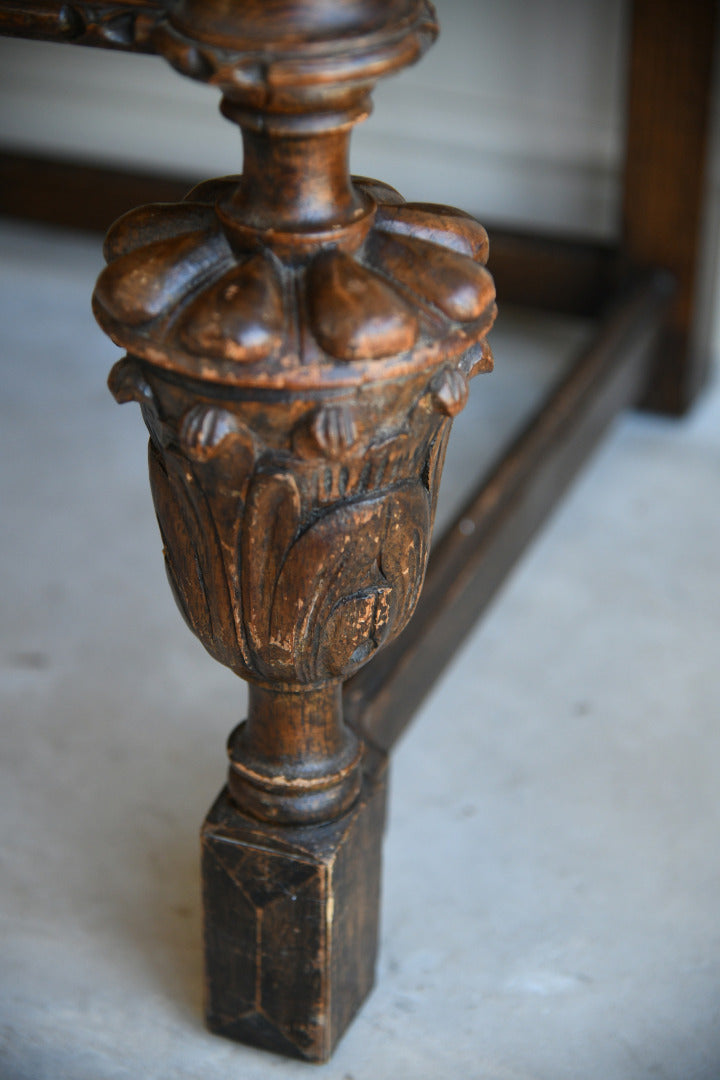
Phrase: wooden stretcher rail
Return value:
(553, 273)
(474, 557)
(571, 276)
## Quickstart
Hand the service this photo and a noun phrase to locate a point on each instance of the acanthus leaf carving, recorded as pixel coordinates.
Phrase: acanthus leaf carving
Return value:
(284, 572)
(356, 552)
(271, 521)
(196, 516)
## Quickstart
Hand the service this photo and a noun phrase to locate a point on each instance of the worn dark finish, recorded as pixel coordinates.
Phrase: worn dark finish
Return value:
(479, 549)
(107, 24)
(670, 80)
(299, 341)
(291, 921)
(296, 450)
(261, 403)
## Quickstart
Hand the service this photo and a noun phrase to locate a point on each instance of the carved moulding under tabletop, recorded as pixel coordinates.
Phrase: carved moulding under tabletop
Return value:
(127, 25)
(299, 342)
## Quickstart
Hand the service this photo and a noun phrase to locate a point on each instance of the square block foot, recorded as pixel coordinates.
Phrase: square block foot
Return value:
(291, 923)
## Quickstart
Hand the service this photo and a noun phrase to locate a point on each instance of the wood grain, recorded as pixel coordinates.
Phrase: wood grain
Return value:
(291, 923)
(670, 80)
(299, 342)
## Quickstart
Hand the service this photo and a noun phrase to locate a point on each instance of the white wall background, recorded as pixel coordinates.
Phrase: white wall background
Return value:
(516, 114)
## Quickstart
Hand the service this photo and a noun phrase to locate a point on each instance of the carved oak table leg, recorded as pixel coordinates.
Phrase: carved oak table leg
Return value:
(299, 342)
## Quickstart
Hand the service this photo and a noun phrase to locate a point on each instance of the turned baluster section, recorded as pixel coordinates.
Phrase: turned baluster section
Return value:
(299, 342)
(293, 760)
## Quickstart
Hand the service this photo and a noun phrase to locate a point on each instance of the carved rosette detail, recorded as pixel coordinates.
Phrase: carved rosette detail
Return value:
(179, 293)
